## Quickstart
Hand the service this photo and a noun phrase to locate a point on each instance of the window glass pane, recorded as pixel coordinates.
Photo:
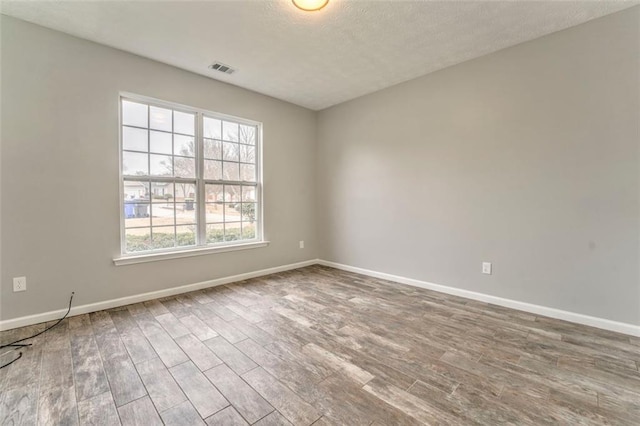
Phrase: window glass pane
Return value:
(232, 193)
(248, 211)
(230, 151)
(247, 172)
(213, 149)
(161, 165)
(247, 134)
(184, 145)
(214, 212)
(134, 139)
(163, 237)
(230, 131)
(136, 204)
(160, 118)
(136, 213)
(186, 211)
(184, 167)
(231, 171)
(215, 233)
(162, 214)
(161, 142)
(232, 231)
(249, 193)
(247, 154)
(212, 128)
(214, 193)
(135, 164)
(213, 170)
(134, 114)
(162, 192)
(232, 212)
(186, 235)
(132, 221)
(248, 230)
(184, 123)
(186, 194)
(137, 239)
(135, 189)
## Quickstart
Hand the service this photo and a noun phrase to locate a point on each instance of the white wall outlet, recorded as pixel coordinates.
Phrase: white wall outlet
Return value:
(486, 268)
(19, 284)
(301, 244)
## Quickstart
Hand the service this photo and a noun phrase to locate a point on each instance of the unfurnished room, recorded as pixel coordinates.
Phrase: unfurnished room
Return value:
(319, 212)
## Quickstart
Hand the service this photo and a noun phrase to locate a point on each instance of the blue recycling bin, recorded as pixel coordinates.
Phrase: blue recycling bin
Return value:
(129, 209)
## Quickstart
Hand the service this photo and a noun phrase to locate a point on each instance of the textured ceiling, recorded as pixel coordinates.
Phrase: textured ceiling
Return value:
(318, 59)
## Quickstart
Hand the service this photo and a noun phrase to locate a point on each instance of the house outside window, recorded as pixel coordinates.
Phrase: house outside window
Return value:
(189, 178)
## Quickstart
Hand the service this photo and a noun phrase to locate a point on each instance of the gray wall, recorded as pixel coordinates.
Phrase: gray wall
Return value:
(528, 158)
(59, 171)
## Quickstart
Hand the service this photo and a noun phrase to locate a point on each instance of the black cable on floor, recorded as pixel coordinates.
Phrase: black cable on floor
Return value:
(17, 343)
(12, 361)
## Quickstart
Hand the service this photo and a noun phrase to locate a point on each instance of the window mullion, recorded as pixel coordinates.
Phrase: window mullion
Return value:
(200, 186)
(258, 178)
(231, 182)
(148, 179)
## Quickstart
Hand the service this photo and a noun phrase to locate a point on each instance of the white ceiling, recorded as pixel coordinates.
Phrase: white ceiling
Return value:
(317, 59)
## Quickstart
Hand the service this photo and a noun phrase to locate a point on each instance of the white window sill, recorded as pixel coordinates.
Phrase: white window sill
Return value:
(154, 257)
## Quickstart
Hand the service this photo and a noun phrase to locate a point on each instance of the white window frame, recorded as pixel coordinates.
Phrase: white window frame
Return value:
(201, 246)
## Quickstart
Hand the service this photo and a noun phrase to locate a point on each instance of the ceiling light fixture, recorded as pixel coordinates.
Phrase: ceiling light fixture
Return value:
(310, 5)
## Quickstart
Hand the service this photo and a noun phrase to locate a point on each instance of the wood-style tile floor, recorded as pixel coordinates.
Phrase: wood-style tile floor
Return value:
(320, 346)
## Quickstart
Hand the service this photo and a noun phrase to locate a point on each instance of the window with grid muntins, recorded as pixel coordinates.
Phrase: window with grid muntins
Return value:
(190, 178)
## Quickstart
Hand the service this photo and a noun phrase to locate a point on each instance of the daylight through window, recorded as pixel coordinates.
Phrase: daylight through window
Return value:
(190, 178)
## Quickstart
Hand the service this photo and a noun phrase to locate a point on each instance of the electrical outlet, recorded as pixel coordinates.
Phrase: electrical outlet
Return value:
(19, 284)
(301, 244)
(486, 268)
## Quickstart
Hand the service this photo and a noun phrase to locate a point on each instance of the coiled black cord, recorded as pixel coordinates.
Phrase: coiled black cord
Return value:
(17, 344)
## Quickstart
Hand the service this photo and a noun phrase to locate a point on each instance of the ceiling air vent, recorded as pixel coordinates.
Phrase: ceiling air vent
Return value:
(219, 66)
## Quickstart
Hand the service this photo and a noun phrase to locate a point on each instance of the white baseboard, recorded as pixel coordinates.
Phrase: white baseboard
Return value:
(620, 327)
(113, 303)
